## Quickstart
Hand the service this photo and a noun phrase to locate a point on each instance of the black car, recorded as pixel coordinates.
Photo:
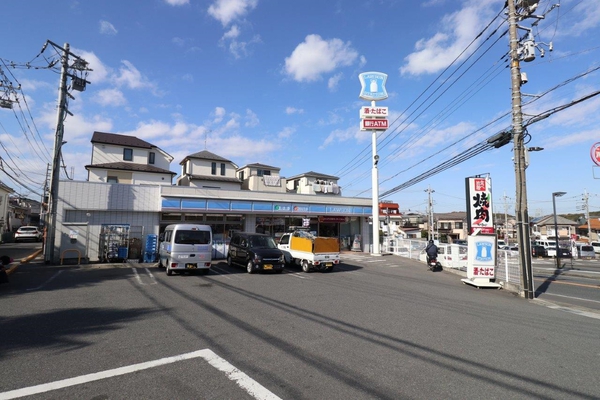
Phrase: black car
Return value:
(256, 252)
(538, 251)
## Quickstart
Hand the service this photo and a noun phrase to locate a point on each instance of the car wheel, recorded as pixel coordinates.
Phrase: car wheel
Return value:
(305, 266)
(329, 269)
(250, 267)
(169, 270)
(279, 271)
(229, 261)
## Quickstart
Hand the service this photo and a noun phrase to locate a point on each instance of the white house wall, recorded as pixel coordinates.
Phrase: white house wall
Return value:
(105, 153)
(136, 205)
(204, 167)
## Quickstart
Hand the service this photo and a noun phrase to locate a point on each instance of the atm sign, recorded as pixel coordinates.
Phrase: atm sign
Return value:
(373, 124)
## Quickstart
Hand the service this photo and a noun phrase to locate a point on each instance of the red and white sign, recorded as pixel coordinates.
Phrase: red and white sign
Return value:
(374, 112)
(595, 153)
(373, 124)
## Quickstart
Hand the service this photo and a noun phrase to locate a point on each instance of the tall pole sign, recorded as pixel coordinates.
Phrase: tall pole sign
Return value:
(374, 119)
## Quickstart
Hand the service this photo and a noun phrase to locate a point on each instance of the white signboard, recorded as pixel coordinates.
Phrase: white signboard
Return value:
(481, 257)
(480, 218)
(374, 112)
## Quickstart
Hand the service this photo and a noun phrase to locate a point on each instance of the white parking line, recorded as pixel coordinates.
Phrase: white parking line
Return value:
(252, 387)
(151, 276)
(137, 277)
(47, 282)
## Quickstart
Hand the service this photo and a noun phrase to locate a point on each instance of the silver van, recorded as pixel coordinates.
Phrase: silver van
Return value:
(185, 247)
(586, 251)
(596, 246)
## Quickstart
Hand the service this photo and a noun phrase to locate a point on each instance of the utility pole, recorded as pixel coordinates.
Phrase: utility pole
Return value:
(587, 214)
(77, 83)
(58, 139)
(521, 212)
(505, 198)
(430, 232)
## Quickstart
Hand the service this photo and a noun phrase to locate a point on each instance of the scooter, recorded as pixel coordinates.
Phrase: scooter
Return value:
(433, 264)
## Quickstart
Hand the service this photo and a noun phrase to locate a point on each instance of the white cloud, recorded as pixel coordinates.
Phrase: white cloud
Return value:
(106, 28)
(177, 2)
(333, 82)
(219, 113)
(343, 135)
(578, 138)
(315, 56)
(293, 110)
(226, 11)
(457, 31)
(251, 119)
(232, 33)
(100, 72)
(178, 41)
(586, 16)
(110, 97)
(131, 77)
(239, 48)
(286, 132)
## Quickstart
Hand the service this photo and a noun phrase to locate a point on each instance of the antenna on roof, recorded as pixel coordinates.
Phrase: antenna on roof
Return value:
(206, 132)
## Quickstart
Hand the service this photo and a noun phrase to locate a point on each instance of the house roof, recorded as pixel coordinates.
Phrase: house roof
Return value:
(125, 141)
(313, 174)
(451, 216)
(121, 140)
(6, 188)
(205, 155)
(549, 220)
(123, 166)
(594, 224)
(259, 165)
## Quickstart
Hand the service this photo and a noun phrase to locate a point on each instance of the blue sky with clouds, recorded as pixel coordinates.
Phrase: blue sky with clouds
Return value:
(276, 82)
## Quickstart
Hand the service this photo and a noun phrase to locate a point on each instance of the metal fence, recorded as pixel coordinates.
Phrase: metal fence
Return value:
(454, 256)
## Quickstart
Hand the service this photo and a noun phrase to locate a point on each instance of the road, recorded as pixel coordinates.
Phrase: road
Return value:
(377, 327)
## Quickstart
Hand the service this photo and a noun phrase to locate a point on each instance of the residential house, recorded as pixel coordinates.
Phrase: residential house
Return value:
(314, 183)
(262, 178)
(390, 218)
(543, 228)
(412, 225)
(5, 192)
(594, 230)
(127, 159)
(450, 226)
(209, 171)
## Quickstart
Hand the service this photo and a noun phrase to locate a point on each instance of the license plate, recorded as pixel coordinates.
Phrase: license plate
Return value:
(328, 264)
(191, 266)
(268, 266)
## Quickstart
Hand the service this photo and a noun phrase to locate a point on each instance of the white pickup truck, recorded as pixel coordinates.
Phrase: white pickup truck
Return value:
(310, 252)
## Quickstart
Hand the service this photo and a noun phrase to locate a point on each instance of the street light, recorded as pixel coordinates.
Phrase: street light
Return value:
(554, 196)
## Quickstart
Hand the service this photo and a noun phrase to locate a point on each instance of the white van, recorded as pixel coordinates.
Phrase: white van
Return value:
(549, 245)
(586, 251)
(185, 247)
(596, 246)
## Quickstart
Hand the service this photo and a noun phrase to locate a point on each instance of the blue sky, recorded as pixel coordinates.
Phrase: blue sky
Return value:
(276, 82)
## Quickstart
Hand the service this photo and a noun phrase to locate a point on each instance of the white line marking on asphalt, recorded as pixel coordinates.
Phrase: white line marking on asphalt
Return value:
(574, 311)
(222, 272)
(151, 276)
(137, 276)
(298, 275)
(252, 387)
(47, 282)
(571, 297)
